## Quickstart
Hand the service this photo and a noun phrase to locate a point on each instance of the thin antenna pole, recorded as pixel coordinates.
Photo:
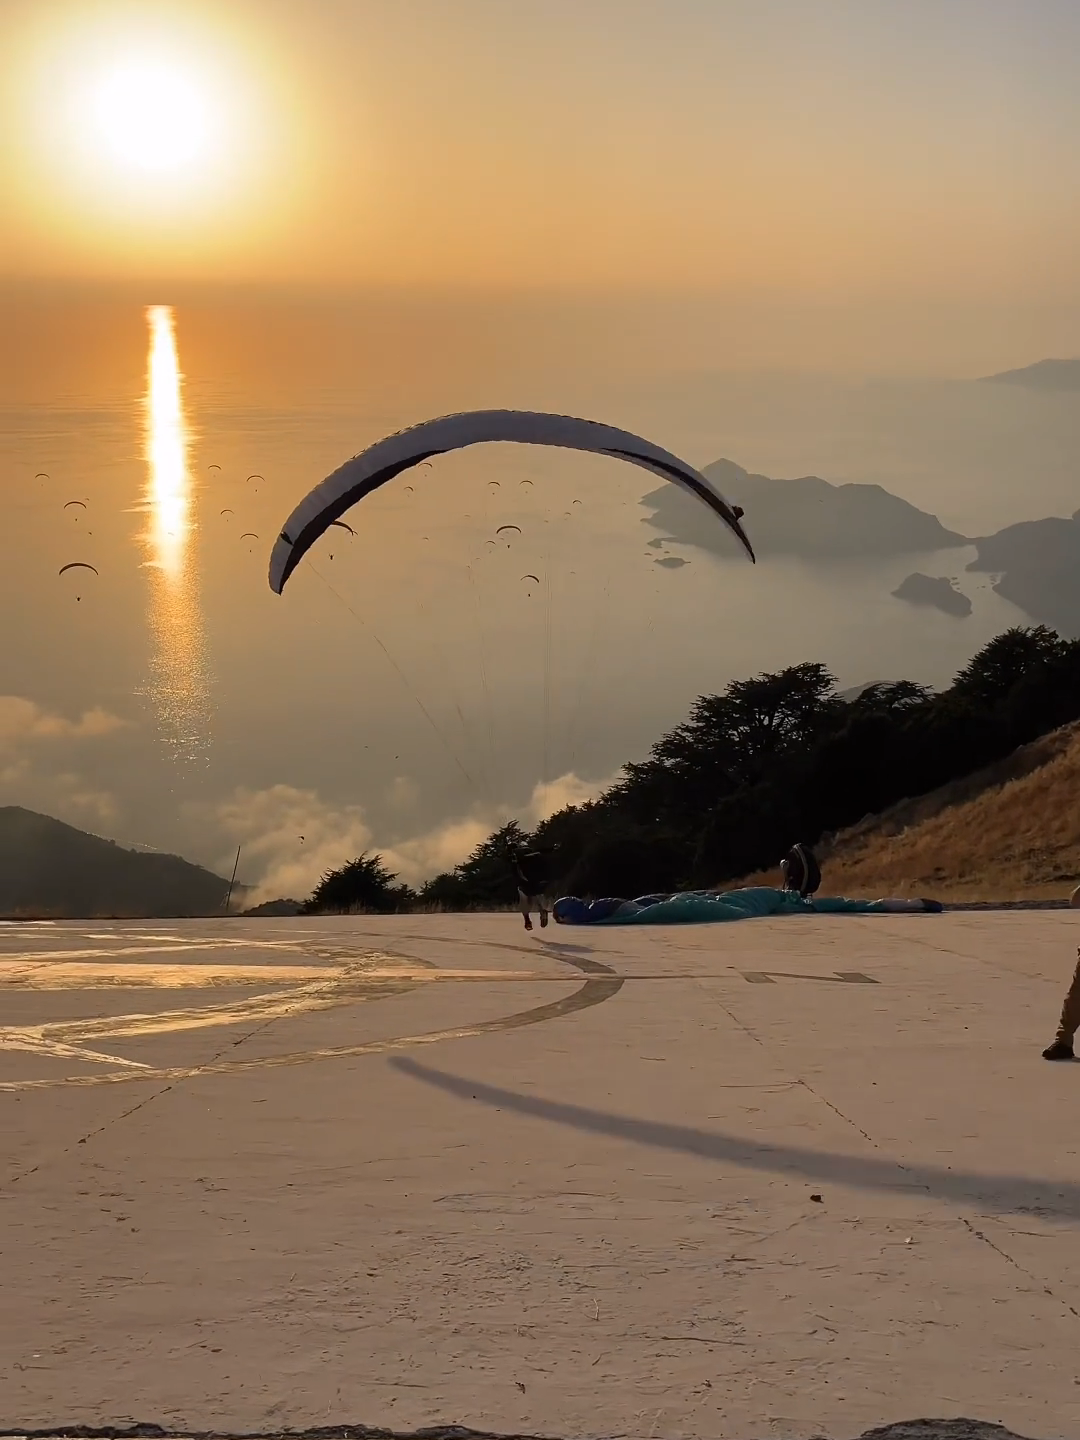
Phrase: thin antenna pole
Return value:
(232, 882)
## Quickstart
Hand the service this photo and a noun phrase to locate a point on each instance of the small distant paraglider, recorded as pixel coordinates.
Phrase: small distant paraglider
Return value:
(256, 477)
(227, 511)
(76, 565)
(532, 577)
(503, 528)
(249, 535)
(41, 475)
(68, 504)
(213, 467)
(342, 526)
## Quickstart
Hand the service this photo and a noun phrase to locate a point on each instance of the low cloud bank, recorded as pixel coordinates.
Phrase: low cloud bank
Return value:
(28, 733)
(22, 720)
(291, 837)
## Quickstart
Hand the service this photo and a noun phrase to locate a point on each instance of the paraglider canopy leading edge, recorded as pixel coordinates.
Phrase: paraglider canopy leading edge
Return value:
(381, 462)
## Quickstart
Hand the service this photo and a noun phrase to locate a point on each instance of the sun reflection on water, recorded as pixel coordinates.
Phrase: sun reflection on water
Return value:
(179, 686)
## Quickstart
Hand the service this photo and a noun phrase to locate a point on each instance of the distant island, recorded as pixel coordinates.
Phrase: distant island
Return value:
(807, 517)
(1038, 567)
(1035, 564)
(939, 592)
(1048, 375)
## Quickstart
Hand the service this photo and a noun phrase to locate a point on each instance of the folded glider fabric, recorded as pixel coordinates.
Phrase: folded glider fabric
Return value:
(700, 907)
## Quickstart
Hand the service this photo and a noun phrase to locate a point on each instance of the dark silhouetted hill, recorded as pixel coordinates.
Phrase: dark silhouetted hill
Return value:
(1046, 375)
(51, 869)
(271, 909)
(1038, 567)
(807, 517)
(938, 591)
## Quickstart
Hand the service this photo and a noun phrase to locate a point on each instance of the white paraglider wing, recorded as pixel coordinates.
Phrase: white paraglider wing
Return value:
(385, 459)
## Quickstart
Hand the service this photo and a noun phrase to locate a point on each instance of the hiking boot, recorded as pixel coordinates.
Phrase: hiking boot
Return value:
(543, 919)
(528, 923)
(1059, 1050)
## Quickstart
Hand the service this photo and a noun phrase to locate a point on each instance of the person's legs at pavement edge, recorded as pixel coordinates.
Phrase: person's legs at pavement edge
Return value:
(526, 905)
(1062, 1048)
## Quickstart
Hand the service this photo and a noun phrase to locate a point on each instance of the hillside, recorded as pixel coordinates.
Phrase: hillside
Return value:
(51, 869)
(1037, 565)
(1046, 375)
(1008, 832)
(808, 517)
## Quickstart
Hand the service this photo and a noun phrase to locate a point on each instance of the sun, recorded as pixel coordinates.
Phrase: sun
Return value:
(137, 119)
(151, 116)
(155, 137)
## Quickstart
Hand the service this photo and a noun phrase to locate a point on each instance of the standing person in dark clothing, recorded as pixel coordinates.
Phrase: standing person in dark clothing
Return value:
(532, 871)
(801, 871)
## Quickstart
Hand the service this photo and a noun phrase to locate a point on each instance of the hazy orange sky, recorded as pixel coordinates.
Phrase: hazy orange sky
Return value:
(739, 147)
(787, 232)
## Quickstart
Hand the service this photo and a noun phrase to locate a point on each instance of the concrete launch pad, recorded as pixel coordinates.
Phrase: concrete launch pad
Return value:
(796, 1177)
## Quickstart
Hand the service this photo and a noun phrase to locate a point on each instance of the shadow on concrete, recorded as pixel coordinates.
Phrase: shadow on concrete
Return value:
(562, 947)
(1004, 1194)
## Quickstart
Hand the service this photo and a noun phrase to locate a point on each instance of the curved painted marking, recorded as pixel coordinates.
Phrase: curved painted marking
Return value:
(594, 992)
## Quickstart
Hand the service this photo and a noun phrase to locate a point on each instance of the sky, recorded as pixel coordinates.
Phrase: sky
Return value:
(903, 148)
(240, 240)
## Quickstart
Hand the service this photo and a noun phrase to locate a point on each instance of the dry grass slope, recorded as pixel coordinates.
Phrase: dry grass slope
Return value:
(1009, 832)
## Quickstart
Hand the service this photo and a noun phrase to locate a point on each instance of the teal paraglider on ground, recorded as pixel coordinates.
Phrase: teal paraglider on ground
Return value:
(702, 907)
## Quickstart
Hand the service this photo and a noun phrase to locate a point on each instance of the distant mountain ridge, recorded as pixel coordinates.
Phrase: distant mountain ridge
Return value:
(1046, 375)
(53, 870)
(808, 517)
(1035, 564)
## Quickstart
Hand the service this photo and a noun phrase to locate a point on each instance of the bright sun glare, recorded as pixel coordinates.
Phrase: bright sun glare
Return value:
(151, 116)
(142, 136)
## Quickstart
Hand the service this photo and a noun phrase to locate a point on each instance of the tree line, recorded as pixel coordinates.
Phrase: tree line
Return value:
(773, 759)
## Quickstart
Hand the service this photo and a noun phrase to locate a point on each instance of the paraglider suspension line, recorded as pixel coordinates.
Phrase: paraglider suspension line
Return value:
(401, 676)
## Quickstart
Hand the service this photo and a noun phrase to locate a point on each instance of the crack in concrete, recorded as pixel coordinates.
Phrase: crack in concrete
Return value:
(958, 1428)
